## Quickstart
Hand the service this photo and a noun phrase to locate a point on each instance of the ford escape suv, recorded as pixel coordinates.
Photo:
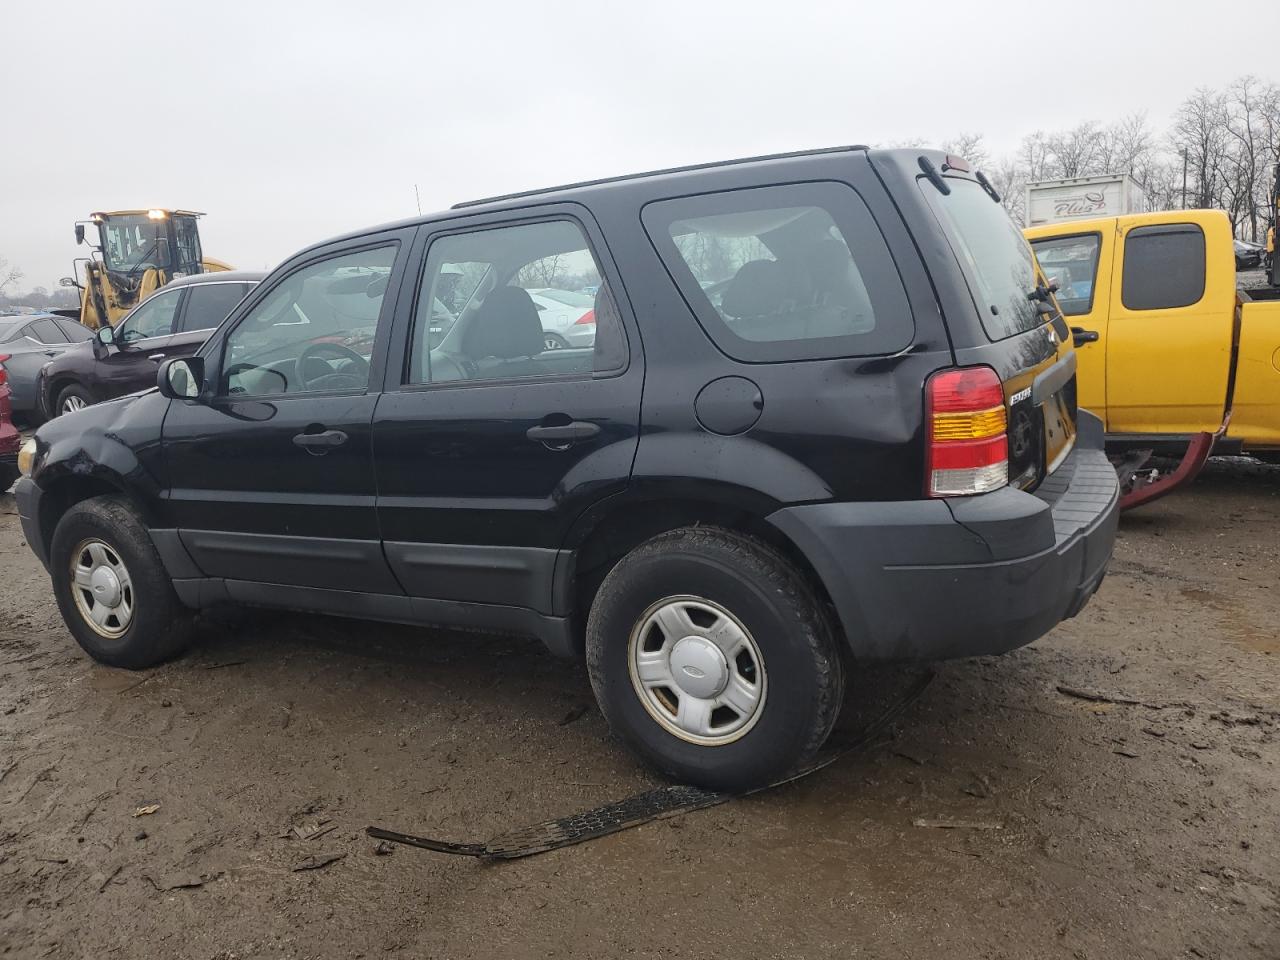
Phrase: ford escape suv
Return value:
(828, 416)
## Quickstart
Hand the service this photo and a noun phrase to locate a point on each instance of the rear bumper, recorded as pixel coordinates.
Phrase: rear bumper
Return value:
(932, 579)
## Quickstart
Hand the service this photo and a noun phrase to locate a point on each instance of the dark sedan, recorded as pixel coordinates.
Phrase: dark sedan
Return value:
(173, 322)
(27, 343)
(1248, 255)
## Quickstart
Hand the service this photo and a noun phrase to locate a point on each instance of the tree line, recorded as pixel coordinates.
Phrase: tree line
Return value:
(1220, 151)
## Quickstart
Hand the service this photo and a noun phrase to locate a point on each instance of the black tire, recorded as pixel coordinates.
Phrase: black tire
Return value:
(161, 627)
(72, 390)
(778, 608)
(8, 476)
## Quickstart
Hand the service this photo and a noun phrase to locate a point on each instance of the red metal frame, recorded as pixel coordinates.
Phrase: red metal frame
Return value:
(1188, 469)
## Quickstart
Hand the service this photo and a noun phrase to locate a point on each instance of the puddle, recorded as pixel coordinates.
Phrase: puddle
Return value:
(1236, 629)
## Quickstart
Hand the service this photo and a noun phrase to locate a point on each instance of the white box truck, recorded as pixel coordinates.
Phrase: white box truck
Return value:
(1081, 198)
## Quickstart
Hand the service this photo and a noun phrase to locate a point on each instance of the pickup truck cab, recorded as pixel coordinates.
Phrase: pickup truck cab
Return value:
(827, 415)
(1173, 355)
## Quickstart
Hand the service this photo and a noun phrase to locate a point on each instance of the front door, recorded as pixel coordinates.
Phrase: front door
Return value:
(141, 342)
(489, 439)
(1080, 264)
(271, 478)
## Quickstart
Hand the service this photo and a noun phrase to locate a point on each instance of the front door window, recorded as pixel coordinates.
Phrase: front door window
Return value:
(314, 332)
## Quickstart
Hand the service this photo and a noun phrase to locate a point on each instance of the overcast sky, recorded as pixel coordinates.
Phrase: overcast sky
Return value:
(288, 123)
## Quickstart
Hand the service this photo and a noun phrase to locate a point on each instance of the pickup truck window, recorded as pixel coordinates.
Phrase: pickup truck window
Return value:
(784, 273)
(997, 262)
(1073, 263)
(1163, 267)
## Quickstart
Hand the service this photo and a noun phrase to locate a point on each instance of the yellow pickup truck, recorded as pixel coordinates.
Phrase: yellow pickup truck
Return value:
(1173, 355)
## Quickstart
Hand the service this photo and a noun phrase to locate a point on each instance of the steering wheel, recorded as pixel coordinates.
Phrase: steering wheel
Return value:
(336, 380)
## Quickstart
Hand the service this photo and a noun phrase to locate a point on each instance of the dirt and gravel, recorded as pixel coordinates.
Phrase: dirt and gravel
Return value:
(169, 813)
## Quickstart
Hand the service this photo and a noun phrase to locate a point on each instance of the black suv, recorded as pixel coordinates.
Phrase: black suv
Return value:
(827, 416)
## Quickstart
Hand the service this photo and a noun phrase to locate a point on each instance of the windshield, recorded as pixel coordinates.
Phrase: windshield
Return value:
(134, 242)
(997, 261)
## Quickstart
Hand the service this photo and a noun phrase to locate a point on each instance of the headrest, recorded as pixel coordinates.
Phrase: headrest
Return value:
(506, 326)
(760, 288)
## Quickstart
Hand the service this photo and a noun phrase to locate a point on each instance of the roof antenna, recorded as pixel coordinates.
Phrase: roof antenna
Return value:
(418, 198)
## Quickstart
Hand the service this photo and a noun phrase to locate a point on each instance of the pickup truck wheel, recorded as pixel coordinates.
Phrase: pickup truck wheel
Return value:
(711, 656)
(112, 589)
(72, 398)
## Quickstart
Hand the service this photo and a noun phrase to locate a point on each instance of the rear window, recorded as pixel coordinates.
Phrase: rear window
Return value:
(1163, 267)
(784, 273)
(1073, 263)
(997, 263)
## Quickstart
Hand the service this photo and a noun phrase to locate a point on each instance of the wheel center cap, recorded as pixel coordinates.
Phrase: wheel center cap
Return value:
(105, 587)
(699, 668)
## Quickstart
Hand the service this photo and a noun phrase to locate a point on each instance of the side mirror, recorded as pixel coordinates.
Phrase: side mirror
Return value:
(79, 233)
(68, 282)
(105, 335)
(181, 378)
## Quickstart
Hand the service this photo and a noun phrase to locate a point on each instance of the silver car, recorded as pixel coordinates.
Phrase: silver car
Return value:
(568, 317)
(27, 343)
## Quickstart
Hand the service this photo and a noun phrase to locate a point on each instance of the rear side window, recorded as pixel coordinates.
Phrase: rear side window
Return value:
(1163, 267)
(47, 331)
(209, 303)
(1071, 262)
(799, 272)
(75, 332)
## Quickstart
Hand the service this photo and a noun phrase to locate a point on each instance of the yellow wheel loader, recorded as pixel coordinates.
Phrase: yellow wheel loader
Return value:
(138, 251)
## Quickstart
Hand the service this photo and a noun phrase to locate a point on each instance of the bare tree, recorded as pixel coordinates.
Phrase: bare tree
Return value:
(8, 275)
(1199, 136)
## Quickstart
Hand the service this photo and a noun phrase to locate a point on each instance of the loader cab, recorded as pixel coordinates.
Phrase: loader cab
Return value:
(134, 241)
(137, 252)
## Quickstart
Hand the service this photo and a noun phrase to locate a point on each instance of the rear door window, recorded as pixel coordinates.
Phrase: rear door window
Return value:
(1071, 262)
(209, 303)
(796, 272)
(1163, 267)
(75, 332)
(46, 331)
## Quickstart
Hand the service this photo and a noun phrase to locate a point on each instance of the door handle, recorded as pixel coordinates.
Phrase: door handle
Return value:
(1081, 336)
(156, 356)
(563, 433)
(53, 353)
(318, 444)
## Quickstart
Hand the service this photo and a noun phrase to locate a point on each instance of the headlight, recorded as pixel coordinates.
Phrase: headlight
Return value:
(27, 456)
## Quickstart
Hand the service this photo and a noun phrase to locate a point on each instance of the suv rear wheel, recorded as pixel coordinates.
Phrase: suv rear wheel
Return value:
(112, 589)
(710, 654)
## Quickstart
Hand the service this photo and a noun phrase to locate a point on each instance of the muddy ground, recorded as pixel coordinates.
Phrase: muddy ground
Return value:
(1085, 829)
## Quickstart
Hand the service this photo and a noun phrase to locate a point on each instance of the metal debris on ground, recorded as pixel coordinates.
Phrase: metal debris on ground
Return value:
(146, 809)
(317, 861)
(657, 804)
(958, 824)
(310, 831)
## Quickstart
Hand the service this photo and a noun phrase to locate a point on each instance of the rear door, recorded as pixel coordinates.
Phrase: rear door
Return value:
(271, 478)
(1028, 346)
(1170, 332)
(488, 444)
(1080, 263)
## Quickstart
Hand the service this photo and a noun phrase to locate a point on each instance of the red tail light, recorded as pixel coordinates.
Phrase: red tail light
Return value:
(968, 446)
(4, 374)
(588, 317)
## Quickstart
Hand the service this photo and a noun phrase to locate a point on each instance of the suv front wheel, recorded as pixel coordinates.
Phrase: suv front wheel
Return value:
(710, 654)
(112, 589)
